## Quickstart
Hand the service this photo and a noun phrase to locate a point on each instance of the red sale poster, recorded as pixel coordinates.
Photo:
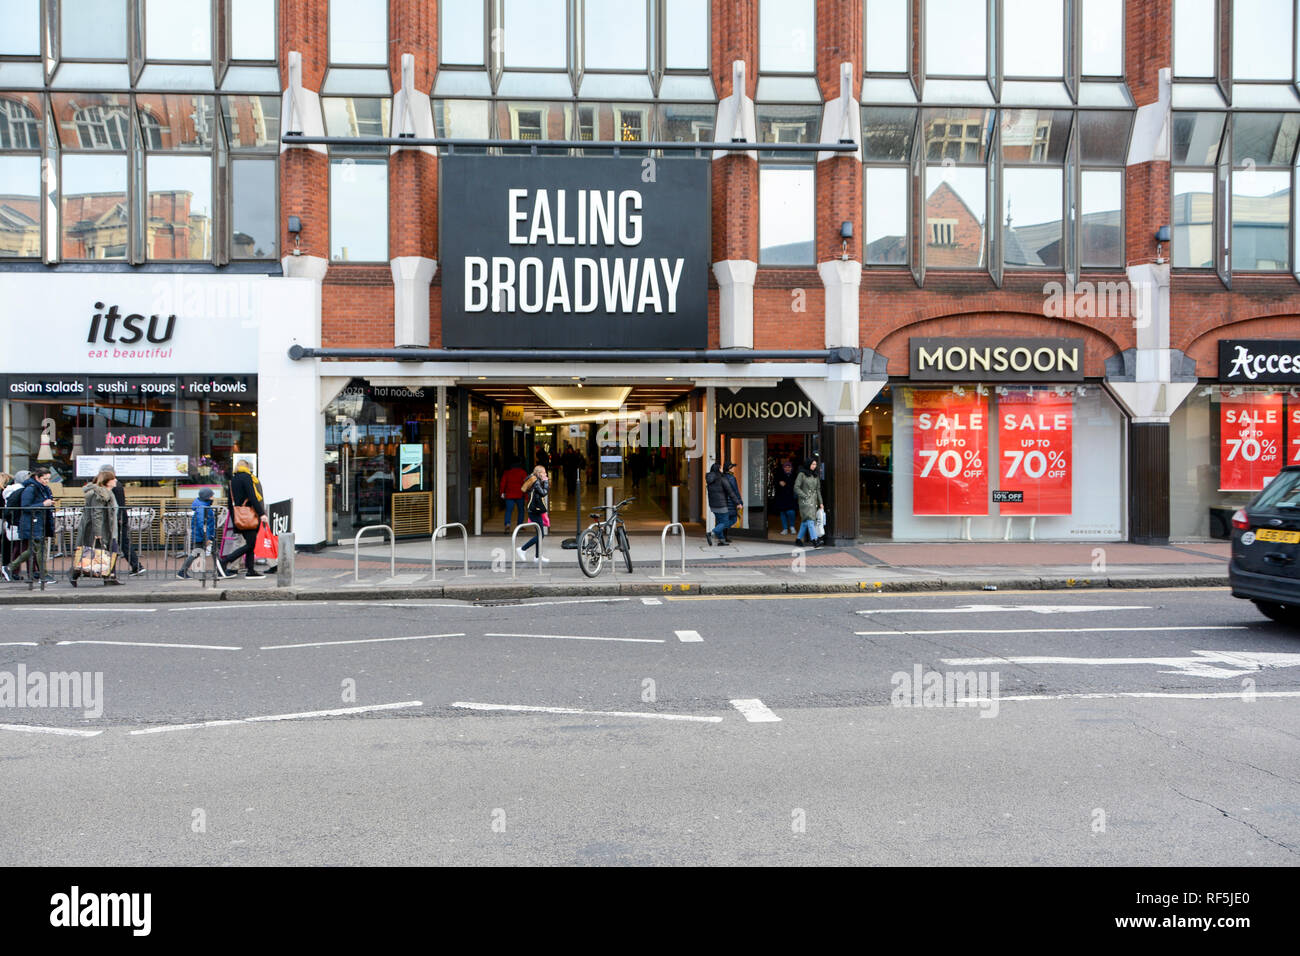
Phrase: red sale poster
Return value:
(950, 443)
(1250, 440)
(1036, 449)
(1293, 432)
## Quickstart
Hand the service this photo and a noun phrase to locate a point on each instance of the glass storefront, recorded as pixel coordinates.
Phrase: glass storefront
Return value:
(876, 466)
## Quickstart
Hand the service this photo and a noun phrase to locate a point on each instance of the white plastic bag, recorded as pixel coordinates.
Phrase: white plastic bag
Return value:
(821, 522)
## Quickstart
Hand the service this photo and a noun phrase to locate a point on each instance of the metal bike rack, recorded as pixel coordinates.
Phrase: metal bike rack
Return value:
(663, 547)
(356, 551)
(433, 548)
(514, 549)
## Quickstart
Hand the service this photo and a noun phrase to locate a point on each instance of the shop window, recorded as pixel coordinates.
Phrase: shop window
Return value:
(887, 35)
(358, 208)
(358, 32)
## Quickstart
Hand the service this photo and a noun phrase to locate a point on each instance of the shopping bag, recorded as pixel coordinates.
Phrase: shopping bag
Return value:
(821, 522)
(94, 562)
(266, 546)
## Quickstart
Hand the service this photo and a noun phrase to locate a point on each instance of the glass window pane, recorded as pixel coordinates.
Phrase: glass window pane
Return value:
(1103, 136)
(178, 30)
(1035, 136)
(1267, 139)
(252, 30)
(955, 38)
(624, 122)
(786, 222)
(252, 122)
(536, 34)
(22, 32)
(1102, 31)
(888, 32)
(463, 119)
(93, 29)
(1196, 138)
(356, 116)
(20, 121)
(686, 37)
(1261, 39)
(359, 31)
(179, 220)
(1193, 246)
(1101, 202)
(887, 133)
(788, 124)
(686, 123)
(93, 207)
(1261, 220)
(461, 32)
(1033, 37)
(252, 209)
(885, 232)
(954, 217)
(959, 134)
(614, 35)
(786, 36)
(20, 207)
(175, 121)
(1194, 37)
(93, 120)
(1031, 217)
(358, 209)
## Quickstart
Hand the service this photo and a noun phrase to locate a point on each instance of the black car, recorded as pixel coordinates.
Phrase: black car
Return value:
(1265, 564)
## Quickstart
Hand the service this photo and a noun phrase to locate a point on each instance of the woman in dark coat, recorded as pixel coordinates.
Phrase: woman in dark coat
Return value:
(783, 502)
(35, 524)
(245, 489)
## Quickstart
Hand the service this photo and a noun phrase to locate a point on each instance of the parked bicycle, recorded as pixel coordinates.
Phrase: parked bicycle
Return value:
(601, 539)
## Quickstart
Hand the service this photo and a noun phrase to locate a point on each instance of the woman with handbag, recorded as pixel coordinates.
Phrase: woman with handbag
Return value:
(808, 493)
(97, 530)
(247, 508)
(535, 490)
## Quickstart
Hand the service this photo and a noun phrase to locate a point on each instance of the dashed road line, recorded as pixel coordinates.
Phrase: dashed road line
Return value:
(1058, 630)
(58, 731)
(577, 711)
(46, 609)
(689, 637)
(1007, 608)
(305, 715)
(368, 640)
(580, 637)
(192, 647)
(1205, 695)
(651, 602)
(754, 711)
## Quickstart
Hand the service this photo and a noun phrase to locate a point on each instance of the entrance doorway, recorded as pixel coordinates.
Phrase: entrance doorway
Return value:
(759, 473)
(876, 467)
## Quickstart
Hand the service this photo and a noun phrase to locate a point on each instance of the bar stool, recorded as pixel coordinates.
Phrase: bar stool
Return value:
(175, 528)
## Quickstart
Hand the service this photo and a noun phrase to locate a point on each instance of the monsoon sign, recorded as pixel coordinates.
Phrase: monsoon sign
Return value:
(560, 252)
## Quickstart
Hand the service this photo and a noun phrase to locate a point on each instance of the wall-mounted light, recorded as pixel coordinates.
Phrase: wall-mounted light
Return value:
(1162, 235)
(846, 233)
(295, 230)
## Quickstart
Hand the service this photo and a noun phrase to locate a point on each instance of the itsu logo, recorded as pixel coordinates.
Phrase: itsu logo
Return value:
(132, 328)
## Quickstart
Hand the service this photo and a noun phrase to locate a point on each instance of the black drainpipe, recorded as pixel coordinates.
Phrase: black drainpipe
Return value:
(833, 356)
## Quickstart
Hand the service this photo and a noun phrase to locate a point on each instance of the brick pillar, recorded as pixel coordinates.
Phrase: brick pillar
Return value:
(304, 171)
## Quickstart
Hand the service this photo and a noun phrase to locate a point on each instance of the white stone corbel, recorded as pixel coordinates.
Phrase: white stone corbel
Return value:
(841, 118)
(735, 120)
(300, 107)
(1150, 141)
(842, 279)
(412, 276)
(736, 302)
(412, 110)
(842, 396)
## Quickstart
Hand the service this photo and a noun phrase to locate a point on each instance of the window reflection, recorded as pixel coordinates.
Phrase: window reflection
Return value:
(1033, 37)
(356, 116)
(178, 30)
(788, 124)
(93, 29)
(20, 207)
(954, 217)
(359, 31)
(887, 213)
(958, 135)
(1103, 136)
(614, 35)
(888, 31)
(251, 121)
(1036, 136)
(20, 121)
(786, 221)
(1101, 201)
(253, 210)
(1031, 217)
(786, 36)
(93, 207)
(252, 30)
(1193, 245)
(1261, 39)
(175, 120)
(682, 123)
(1261, 220)
(887, 133)
(535, 34)
(1265, 139)
(955, 38)
(358, 209)
(22, 32)
(1196, 138)
(179, 216)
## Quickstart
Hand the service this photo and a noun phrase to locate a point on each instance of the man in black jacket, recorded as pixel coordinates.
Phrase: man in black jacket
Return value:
(724, 501)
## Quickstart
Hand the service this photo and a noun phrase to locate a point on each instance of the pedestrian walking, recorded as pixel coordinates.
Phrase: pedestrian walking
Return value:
(783, 502)
(6, 480)
(99, 525)
(724, 502)
(245, 492)
(512, 492)
(808, 493)
(125, 544)
(35, 524)
(203, 532)
(536, 488)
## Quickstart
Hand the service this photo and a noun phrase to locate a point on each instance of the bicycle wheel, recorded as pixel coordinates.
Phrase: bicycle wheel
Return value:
(625, 547)
(591, 556)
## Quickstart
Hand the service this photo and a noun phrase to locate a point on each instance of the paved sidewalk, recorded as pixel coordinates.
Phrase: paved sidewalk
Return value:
(746, 567)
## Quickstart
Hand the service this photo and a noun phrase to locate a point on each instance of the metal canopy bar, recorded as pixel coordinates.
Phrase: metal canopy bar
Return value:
(298, 139)
(298, 352)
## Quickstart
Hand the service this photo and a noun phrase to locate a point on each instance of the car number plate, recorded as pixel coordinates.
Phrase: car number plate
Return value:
(1279, 537)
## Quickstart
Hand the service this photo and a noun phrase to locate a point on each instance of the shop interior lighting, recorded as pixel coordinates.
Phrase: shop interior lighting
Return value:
(572, 398)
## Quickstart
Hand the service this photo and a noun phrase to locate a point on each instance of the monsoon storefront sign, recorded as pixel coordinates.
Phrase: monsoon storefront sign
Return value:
(559, 252)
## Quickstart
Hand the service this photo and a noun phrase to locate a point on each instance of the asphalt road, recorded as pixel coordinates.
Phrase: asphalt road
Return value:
(1116, 727)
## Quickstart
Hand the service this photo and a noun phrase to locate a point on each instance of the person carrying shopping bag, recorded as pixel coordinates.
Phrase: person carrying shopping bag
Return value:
(535, 490)
(808, 493)
(97, 542)
(247, 509)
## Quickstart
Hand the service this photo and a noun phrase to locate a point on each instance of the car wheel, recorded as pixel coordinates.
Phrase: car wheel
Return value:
(1282, 613)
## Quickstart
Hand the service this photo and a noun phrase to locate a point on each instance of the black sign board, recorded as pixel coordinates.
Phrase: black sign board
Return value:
(996, 360)
(280, 514)
(224, 388)
(1008, 497)
(1259, 361)
(46, 387)
(762, 411)
(132, 440)
(107, 387)
(560, 252)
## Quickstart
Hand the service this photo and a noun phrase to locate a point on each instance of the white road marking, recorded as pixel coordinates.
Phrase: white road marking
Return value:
(754, 711)
(45, 609)
(60, 731)
(579, 637)
(1008, 608)
(1216, 695)
(689, 637)
(1202, 665)
(368, 640)
(192, 647)
(609, 600)
(306, 715)
(526, 708)
(650, 602)
(20, 644)
(1059, 630)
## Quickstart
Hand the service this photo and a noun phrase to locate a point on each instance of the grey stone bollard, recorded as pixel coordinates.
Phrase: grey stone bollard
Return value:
(284, 566)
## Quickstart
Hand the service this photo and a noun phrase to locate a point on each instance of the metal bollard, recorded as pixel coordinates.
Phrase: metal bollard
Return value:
(284, 566)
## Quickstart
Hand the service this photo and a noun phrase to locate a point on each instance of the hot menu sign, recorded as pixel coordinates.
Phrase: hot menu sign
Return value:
(1035, 438)
(950, 441)
(1250, 440)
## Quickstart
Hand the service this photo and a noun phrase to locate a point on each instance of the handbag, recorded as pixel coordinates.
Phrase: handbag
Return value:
(266, 546)
(245, 518)
(94, 562)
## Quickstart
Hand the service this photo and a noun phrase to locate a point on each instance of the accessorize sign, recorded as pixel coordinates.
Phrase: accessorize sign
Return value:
(950, 442)
(560, 252)
(1035, 438)
(1261, 361)
(996, 360)
(785, 408)
(1250, 440)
